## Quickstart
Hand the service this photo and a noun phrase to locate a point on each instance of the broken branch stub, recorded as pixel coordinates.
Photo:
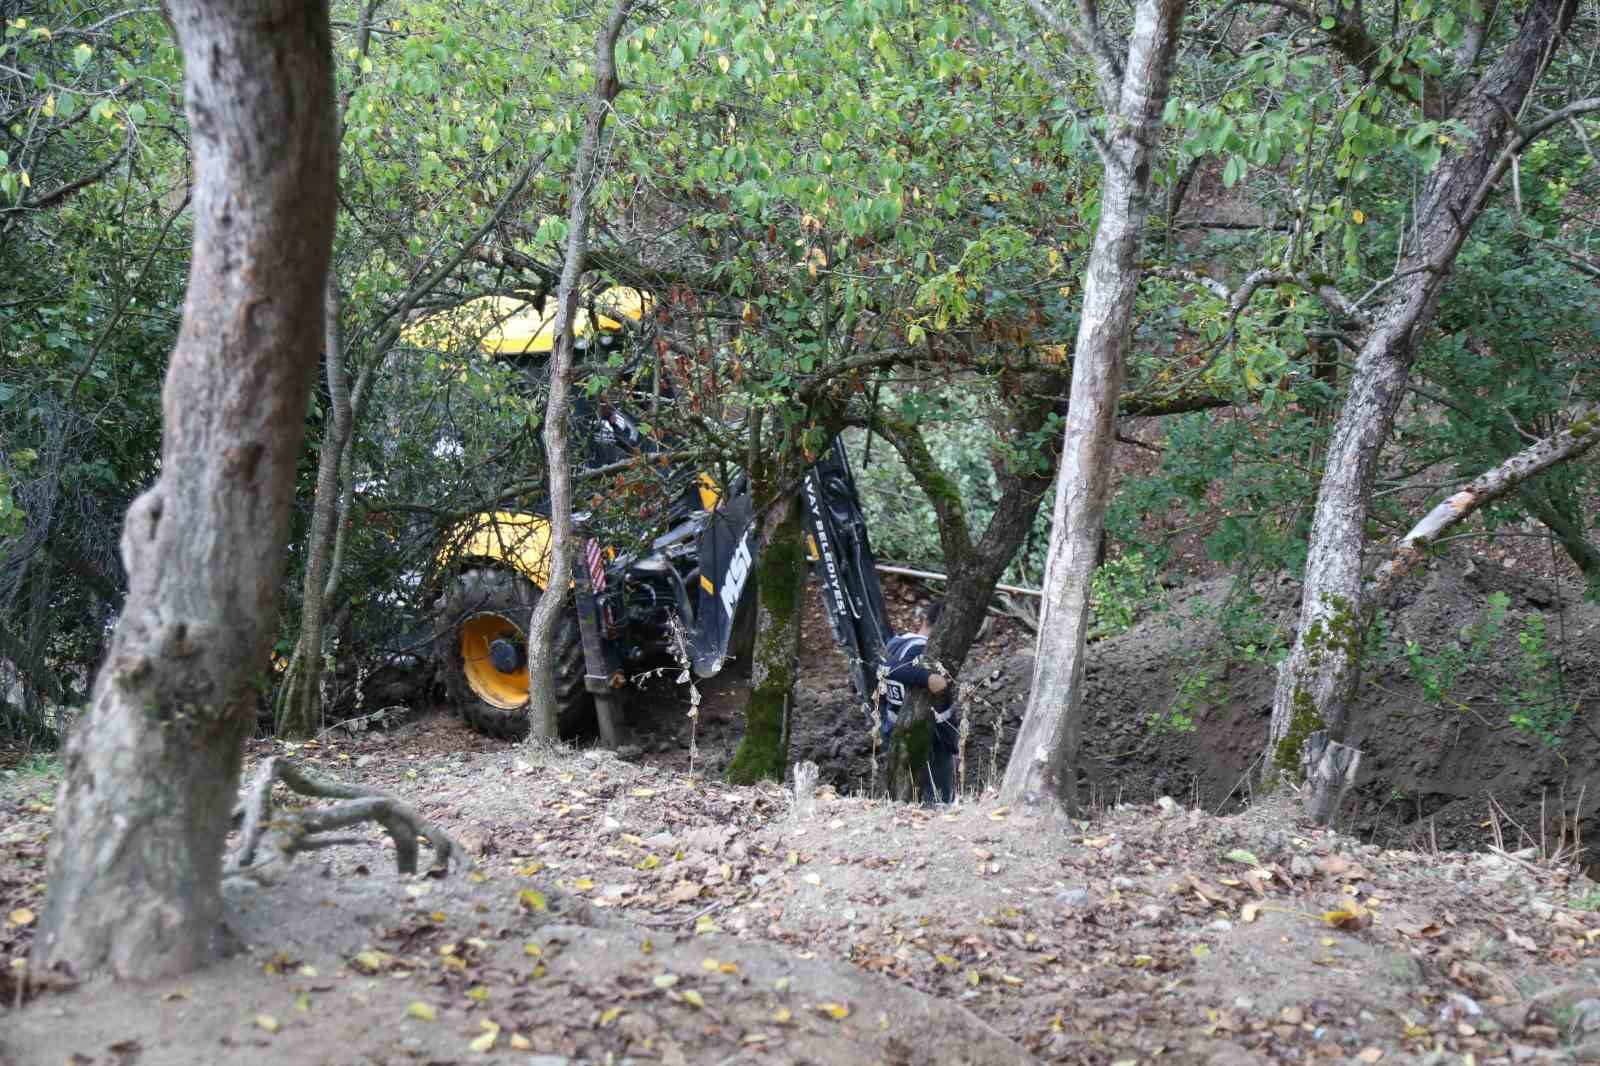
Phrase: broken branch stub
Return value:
(305, 830)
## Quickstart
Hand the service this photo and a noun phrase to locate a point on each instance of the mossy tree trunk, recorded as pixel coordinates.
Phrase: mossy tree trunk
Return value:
(1317, 681)
(780, 576)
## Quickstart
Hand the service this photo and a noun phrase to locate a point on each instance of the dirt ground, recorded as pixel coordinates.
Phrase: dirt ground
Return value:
(628, 910)
(676, 920)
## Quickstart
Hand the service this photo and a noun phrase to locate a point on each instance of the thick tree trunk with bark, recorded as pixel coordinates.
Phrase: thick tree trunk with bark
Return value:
(152, 771)
(1318, 679)
(780, 576)
(543, 713)
(1043, 765)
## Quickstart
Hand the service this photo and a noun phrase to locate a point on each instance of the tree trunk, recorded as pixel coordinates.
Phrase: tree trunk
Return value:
(152, 771)
(299, 698)
(780, 576)
(542, 710)
(1318, 679)
(1043, 763)
(1567, 527)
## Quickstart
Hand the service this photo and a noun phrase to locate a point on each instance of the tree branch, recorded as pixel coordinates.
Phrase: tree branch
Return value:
(1491, 485)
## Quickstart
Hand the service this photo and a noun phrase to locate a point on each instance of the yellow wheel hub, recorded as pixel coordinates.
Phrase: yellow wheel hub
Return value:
(503, 689)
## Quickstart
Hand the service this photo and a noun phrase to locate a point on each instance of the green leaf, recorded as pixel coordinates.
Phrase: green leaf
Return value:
(1233, 172)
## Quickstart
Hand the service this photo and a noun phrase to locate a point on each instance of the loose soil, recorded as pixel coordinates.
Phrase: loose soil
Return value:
(629, 910)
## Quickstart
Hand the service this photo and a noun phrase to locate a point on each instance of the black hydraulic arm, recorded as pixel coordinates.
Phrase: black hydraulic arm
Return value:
(836, 529)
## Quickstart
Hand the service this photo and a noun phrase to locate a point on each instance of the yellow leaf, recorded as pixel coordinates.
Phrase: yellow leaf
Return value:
(421, 1011)
(783, 1015)
(267, 1022)
(650, 862)
(27, 182)
(484, 1043)
(583, 884)
(694, 999)
(1250, 911)
(947, 961)
(532, 899)
(21, 916)
(609, 1015)
(477, 877)
(642, 793)
(370, 961)
(520, 1043)
(532, 950)
(478, 993)
(729, 967)
(302, 1002)
(704, 925)
(530, 869)
(998, 813)
(1351, 917)
(664, 980)
(723, 64)
(437, 917)
(972, 978)
(1358, 216)
(710, 965)
(837, 1011)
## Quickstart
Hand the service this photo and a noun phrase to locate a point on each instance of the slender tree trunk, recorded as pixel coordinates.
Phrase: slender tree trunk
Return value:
(780, 577)
(300, 697)
(1318, 679)
(1043, 765)
(152, 771)
(542, 710)
(1567, 527)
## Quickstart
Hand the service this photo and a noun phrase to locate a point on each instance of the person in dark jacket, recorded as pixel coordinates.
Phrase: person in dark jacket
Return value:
(907, 670)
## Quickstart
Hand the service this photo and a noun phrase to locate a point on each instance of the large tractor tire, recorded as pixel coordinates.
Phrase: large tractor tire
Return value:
(482, 652)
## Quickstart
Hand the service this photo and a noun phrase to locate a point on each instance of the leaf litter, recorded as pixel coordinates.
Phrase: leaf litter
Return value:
(623, 911)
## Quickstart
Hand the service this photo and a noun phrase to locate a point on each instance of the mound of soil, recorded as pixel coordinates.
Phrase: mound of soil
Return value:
(620, 912)
(1451, 772)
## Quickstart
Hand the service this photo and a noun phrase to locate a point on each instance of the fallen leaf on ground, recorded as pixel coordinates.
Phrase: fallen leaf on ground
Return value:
(421, 1012)
(836, 1011)
(1351, 917)
(267, 1022)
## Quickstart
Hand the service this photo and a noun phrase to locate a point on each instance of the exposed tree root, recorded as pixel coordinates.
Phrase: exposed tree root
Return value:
(310, 830)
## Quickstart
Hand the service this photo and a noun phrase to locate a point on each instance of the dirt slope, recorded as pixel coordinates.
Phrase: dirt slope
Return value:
(1431, 769)
(686, 921)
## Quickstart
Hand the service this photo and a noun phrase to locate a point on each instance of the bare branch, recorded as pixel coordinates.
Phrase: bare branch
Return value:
(1491, 485)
